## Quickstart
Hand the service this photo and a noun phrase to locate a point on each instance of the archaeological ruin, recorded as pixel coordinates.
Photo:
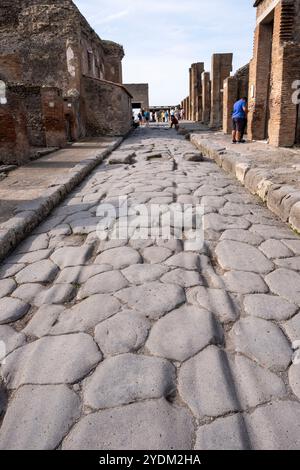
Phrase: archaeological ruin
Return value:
(140, 94)
(58, 80)
(270, 81)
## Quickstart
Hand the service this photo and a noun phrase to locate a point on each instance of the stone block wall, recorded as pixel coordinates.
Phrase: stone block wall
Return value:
(221, 67)
(140, 93)
(206, 97)
(99, 95)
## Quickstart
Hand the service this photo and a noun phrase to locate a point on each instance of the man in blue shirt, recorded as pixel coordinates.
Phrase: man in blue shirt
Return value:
(239, 120)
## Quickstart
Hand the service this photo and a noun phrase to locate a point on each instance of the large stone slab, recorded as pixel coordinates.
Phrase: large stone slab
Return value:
(7, 286)
(149, 425)
(214, 383)
(275, 249)
(42, 271)
(38, 417)
(125, 332)
(183, 278)
(11, 340)
(86, 315)
(43, 320)
(81, 274)
(142, 273)
(269, 307)
(184, 332)
(57, 294)
(12, 310)
(244, 282)
(124, 379)
(104, 283)
(219, 222)
(292, 328)
(218, 301)
(261, 341)
(244, 236)
(72, 256)
(285, 283)
(228, 433)
(185, 260)
(156, 254)
(51, 360)
(238, 256)
(119, 258)
(153, 299)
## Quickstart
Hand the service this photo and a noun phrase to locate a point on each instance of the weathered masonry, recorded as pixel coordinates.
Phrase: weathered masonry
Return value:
(140, 94)
(274, 71)
(221, 67)
(58, 80)
(235, 88)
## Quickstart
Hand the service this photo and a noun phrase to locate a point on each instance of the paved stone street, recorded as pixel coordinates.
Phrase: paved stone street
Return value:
(145, 344)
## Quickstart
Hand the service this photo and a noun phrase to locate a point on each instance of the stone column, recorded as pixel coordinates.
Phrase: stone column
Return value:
(230, 96)
(188, 108)
(206, 94)
(220, 68)
(190, 112)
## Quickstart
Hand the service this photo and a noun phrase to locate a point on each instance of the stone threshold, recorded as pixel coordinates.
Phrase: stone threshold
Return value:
(282, 198)
(27, 215)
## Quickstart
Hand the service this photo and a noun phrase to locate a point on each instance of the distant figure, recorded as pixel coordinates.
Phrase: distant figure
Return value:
(166, 116)
(140, 118)
(239, 121)
(177, 114)
(163, 116)
(143, 116)
(153, 116)
(182, 114)
(172, 112)
(147, 118)
(174, 122)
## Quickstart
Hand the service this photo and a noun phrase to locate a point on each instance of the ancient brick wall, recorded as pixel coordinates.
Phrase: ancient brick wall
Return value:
(140, 93)
(107, 108)
(221, 67)
(206, 97)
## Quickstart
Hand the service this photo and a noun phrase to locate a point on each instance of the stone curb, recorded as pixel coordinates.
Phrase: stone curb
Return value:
(30, 214)
(282, 200)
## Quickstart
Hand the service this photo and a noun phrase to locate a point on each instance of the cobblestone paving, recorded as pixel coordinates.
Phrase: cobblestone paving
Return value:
(131, 344)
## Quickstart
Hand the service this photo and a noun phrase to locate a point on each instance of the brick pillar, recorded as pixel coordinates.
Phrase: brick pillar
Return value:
(206, 94)
(220, 68)
(197, 70)
(285, 70)
(230, 96)
(191, 95)
(188, 108)
(259, 82)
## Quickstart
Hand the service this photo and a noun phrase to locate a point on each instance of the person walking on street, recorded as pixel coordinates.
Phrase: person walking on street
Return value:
(174, 122)
(166, 116)
(239, 121)
(147, 118)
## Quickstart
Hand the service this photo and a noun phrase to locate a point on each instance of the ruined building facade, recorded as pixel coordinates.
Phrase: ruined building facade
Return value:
(274, 70)
(58, 80)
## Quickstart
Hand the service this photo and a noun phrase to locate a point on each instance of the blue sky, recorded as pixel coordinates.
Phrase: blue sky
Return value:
(162, 38)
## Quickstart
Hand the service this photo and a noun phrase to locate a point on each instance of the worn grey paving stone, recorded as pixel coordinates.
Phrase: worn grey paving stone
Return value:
(86, 314)
(272, 232)
(12, 309)
(213, 201)
(183, 333)
(127, 378)
(275, 249)
(214, 383)
(148, 425)
(57, 294)
(38, 417)
(218, 301)
(239, 256)
(81, 274)
(105, 245)
(60, 230)
(33, 243)
(28, 292)
(228, 433)
(119, 258)
(156, 254)
(285, 283)
(11, 340)
(244, 236)
(294, 378)
(51, 360)
(269, 307)
(244, 282)
(261, 341)
(293, 245)
(292, 328)
(233, 209)
(41, 271)
(142, 273)
(183, 278)
(220, 222)
(7, 286)
(275, 426)
(10, 270)
(173, 244)
(43, 320)
(184, 260)
(153, 299)
(289, 263)
(85, 226)
(104, 283)
(123, 333)
(72, 256)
